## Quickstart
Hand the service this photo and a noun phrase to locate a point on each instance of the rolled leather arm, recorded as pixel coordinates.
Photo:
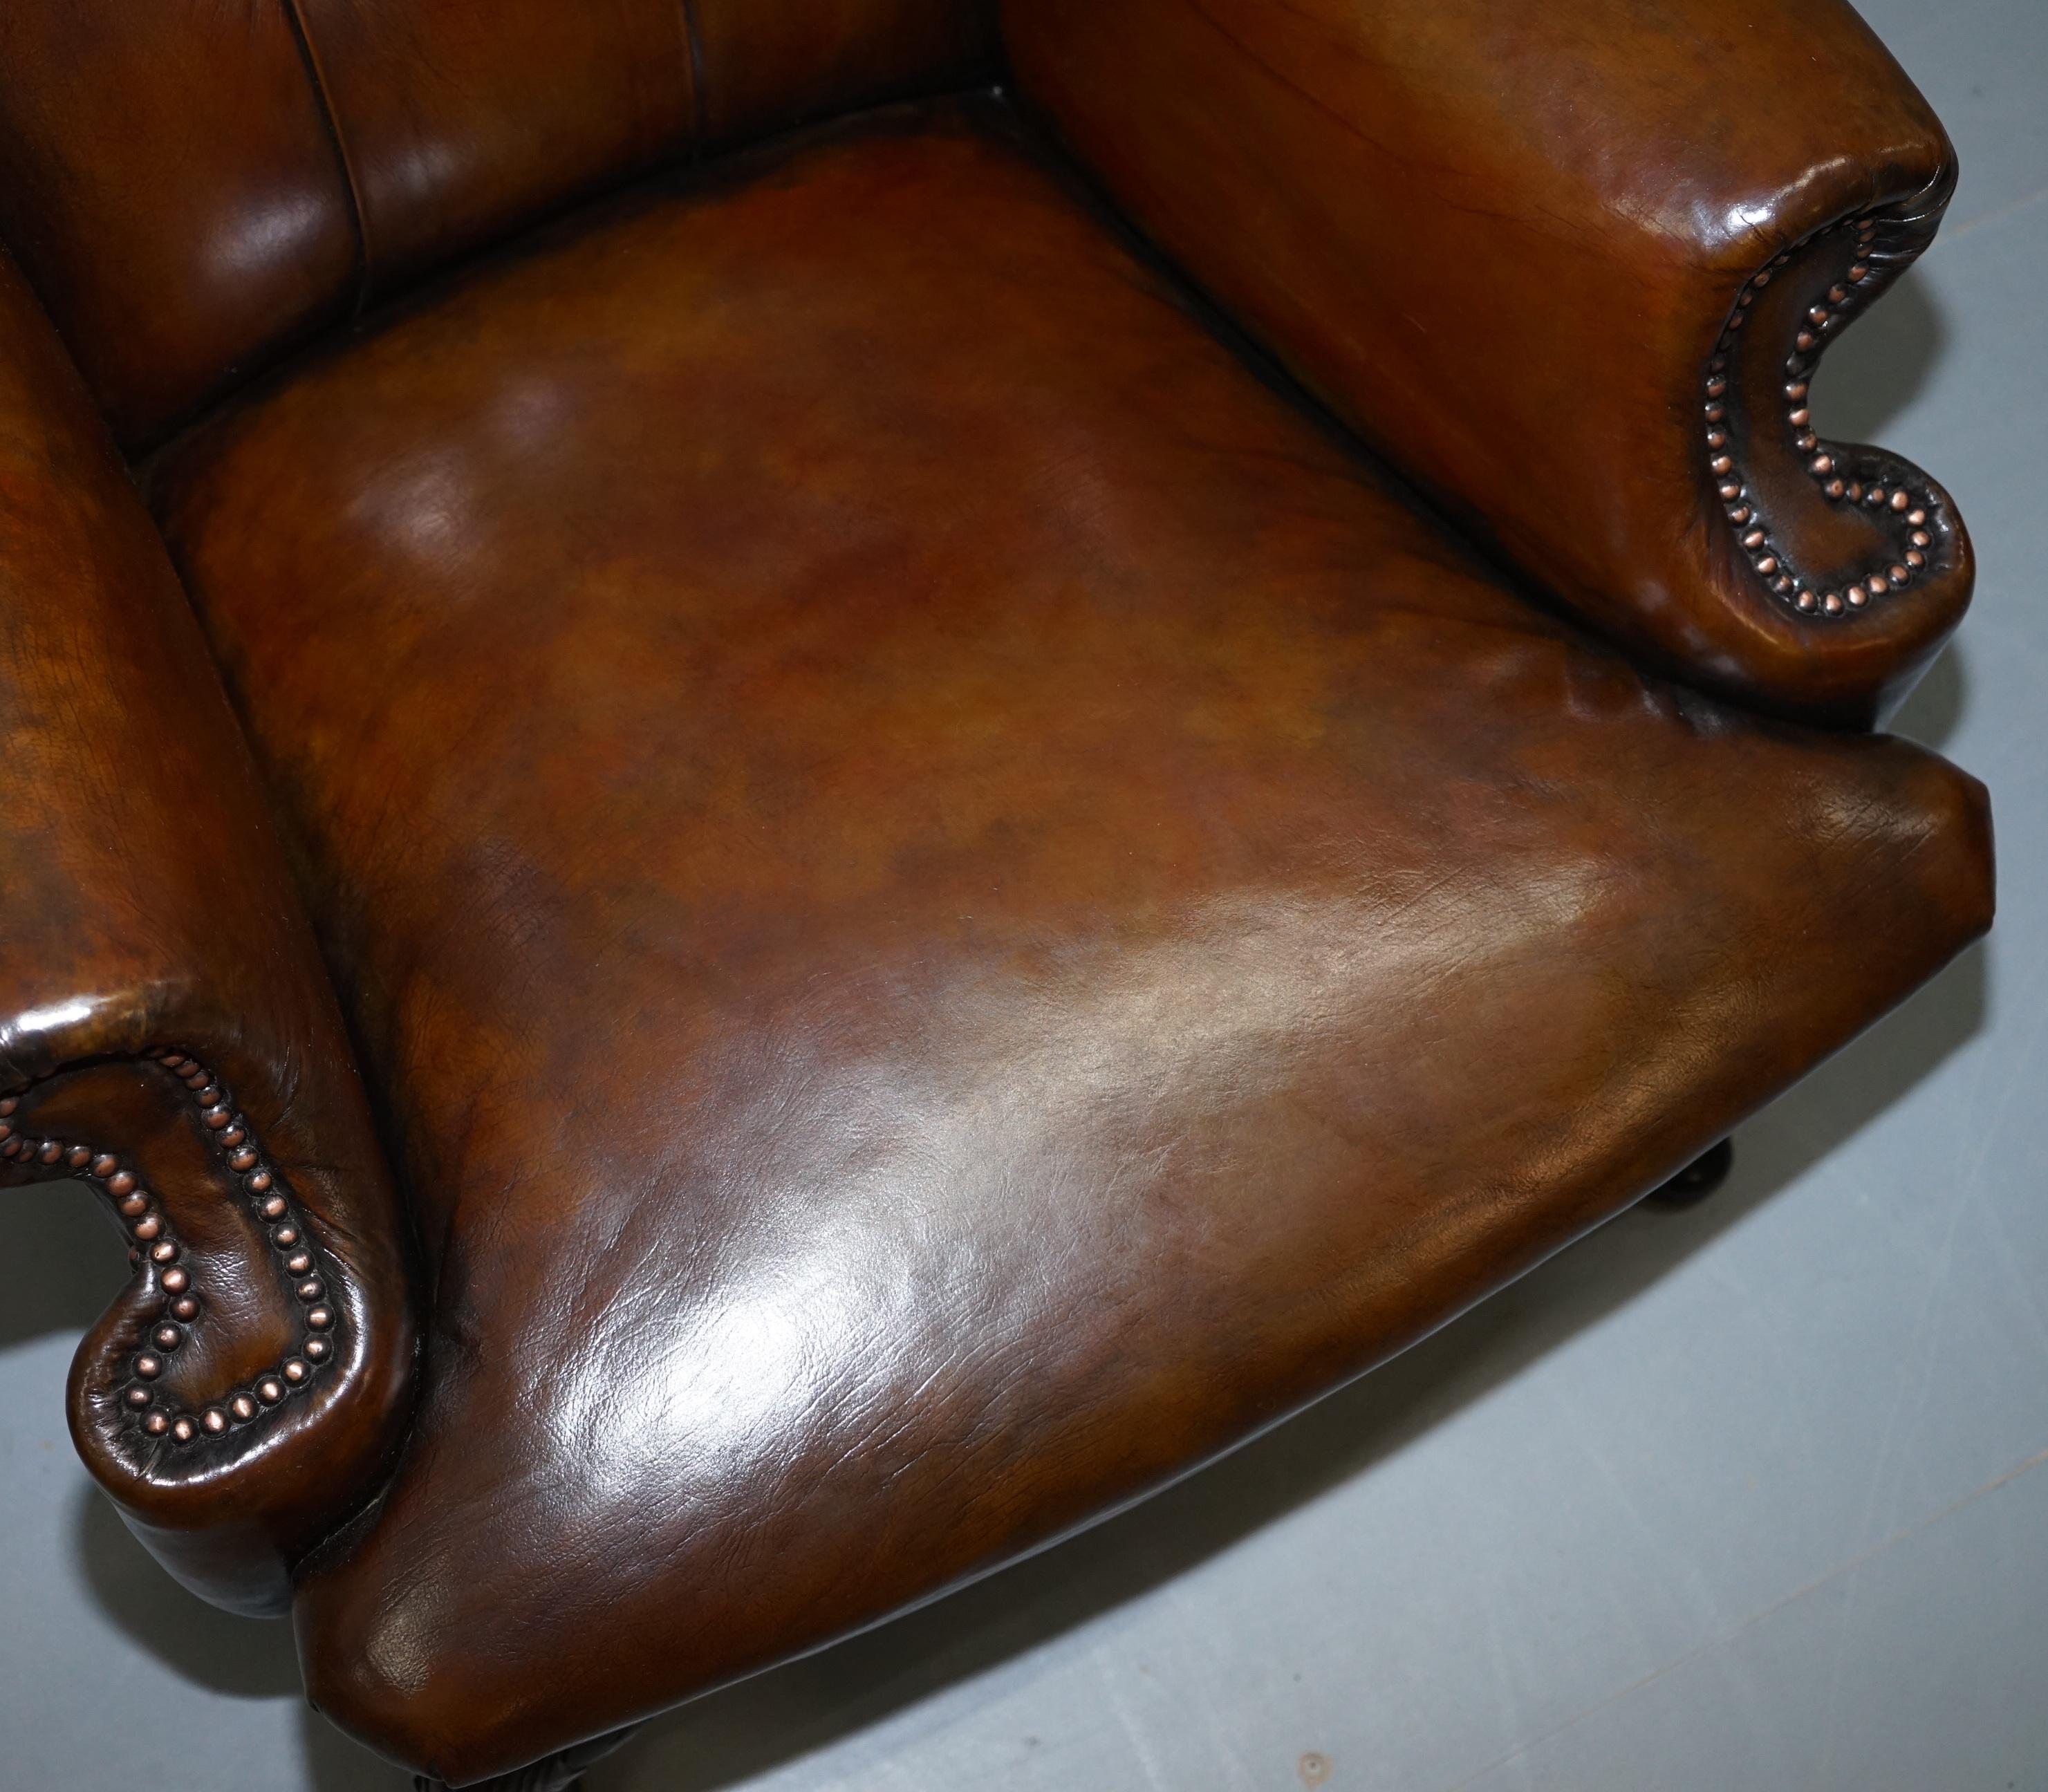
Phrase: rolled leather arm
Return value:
(1572, 265)
(168, 1037)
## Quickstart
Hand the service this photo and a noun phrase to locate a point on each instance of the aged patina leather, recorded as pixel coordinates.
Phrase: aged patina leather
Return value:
(948, 899)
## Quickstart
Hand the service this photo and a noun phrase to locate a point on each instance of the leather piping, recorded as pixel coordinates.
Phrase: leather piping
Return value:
(316, 79)
(700, 94)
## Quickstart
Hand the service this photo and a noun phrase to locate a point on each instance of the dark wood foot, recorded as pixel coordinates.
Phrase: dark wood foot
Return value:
(559, 1773)
(1697, 1179)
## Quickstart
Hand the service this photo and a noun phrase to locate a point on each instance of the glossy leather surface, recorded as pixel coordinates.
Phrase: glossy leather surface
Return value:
(953, 908)
(458, 120)
(1506, 241)
(197, 186)
(169, 186)
(147, 909)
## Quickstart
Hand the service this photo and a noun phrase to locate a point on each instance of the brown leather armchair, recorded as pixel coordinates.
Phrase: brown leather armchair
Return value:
(946, 895)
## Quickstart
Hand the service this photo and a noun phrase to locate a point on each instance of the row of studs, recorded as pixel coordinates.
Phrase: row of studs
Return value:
(1911, 513)
(151, 1230)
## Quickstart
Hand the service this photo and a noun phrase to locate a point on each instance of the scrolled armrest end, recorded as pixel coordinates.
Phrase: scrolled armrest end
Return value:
(1855, 560)
(246, 1389)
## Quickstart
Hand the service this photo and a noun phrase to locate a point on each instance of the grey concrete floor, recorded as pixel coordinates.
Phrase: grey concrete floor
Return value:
(1751, 1496)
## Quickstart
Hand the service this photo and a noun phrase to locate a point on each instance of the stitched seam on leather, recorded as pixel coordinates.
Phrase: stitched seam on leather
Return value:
(1881, 246)
(699, 93)
(316, 79)
(157, 1250)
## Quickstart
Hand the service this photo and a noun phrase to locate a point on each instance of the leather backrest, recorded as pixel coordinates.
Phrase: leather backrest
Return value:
(456, 118)
(196, 187)
(169, 185)
(769, 63)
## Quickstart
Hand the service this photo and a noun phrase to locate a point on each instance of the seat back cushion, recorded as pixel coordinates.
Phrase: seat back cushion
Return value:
(196, 189)
(167, 183)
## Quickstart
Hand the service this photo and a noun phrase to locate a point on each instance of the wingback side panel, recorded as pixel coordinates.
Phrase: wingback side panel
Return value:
(197, 186)
(169, 185)
(460, 119)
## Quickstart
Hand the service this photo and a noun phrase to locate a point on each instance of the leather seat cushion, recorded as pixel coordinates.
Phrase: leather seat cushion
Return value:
(951, 906)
